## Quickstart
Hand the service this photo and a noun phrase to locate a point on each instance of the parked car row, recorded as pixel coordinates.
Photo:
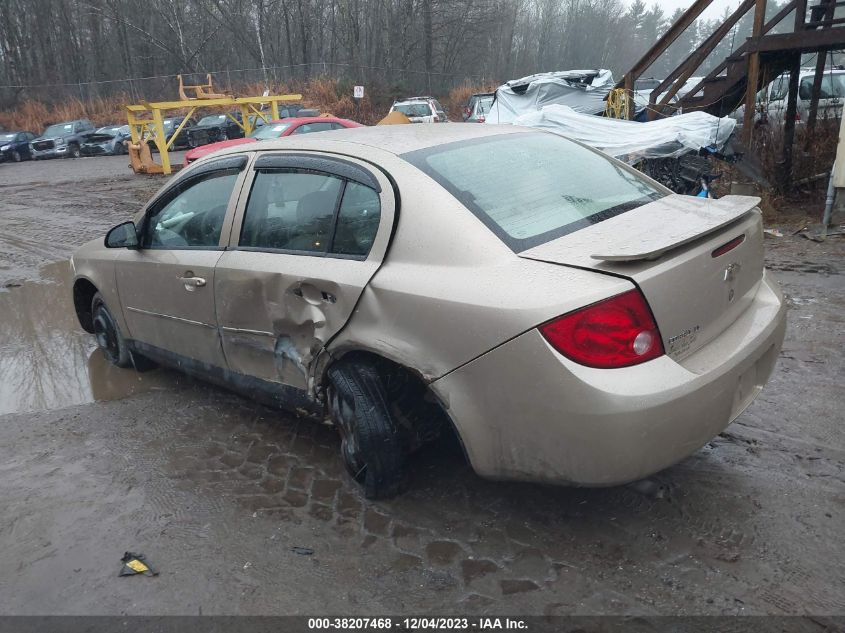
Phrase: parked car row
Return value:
(80, 138)
(70, 138)
(429, 110)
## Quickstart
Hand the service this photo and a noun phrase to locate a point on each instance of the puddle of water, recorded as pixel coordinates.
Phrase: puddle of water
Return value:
(47, 361)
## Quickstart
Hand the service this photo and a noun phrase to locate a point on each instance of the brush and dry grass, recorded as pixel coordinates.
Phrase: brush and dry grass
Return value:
(327, 95)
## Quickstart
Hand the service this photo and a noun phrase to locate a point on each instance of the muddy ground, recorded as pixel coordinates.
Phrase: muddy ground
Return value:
(220, 493)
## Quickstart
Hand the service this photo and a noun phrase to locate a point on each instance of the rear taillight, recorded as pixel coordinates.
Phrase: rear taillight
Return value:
(480, 119)
(617, 332)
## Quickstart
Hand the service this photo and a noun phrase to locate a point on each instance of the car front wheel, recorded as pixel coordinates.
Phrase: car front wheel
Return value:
(371, 445)
(16, 157)
(108, 335)
(73, 151)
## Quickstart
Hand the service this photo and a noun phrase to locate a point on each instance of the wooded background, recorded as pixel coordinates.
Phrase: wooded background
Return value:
(57, 49)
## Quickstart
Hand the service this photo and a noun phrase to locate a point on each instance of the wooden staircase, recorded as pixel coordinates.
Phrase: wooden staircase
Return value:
(758, 61)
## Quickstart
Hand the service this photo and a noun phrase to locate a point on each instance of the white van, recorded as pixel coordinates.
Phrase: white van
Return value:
(773, 98)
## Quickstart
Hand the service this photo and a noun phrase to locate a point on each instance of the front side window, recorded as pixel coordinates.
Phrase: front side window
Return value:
(535, 187)
(310, 212)
(192, 215)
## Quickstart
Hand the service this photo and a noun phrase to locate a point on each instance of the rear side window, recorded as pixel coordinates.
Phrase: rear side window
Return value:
(832, 87)
(310, 212)
(532, 188)
(357, 220)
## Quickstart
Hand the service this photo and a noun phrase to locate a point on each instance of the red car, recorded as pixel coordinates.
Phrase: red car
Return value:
(275, 129)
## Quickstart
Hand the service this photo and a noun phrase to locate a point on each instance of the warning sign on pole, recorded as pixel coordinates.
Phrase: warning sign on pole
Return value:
(358, 92)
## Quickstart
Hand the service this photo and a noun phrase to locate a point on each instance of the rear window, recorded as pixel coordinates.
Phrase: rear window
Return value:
(532, 188)
(413, 109)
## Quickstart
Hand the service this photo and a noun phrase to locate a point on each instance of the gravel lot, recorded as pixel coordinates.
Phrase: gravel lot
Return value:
(219, 492)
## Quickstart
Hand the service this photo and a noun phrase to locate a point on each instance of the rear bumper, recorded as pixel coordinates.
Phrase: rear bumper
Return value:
(525, 412)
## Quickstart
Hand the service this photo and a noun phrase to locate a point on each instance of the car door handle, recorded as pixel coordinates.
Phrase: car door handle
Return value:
(192, 283)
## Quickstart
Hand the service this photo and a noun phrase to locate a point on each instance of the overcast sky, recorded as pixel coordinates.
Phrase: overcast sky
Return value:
(713, 11)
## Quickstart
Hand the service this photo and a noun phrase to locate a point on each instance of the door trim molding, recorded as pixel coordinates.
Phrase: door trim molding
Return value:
(171, 317)
(240, 330)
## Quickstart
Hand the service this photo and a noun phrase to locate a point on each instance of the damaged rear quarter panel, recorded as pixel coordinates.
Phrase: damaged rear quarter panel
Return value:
(449, 290)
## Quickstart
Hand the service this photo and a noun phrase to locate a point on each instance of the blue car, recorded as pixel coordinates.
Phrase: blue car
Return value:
(14, 146)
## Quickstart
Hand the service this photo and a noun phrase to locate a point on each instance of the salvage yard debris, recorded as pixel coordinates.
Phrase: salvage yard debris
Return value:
(134, 564)
(583, 90)
(631, 141)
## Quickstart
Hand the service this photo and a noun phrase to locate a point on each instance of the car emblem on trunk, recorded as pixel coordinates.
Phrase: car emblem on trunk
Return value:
(730, 272)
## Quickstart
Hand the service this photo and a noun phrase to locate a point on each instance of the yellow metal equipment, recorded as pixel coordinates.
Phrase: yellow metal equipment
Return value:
(617, 104)
(146, 123)
(200, 90)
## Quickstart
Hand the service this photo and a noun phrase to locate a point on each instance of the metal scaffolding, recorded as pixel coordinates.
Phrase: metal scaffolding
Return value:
(146, 124)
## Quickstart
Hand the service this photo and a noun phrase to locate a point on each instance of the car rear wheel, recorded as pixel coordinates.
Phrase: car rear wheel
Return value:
(371, 445)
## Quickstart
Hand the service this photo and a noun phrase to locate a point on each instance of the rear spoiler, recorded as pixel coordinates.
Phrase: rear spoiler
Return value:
(646, 232)
(681, 219)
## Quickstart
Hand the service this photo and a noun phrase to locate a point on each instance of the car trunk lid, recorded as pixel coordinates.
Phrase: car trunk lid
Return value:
(698, 261)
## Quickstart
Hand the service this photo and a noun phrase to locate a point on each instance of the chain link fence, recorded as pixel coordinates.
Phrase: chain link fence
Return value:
(388, 82)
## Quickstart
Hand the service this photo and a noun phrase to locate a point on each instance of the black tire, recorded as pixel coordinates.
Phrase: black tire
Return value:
(371, 445)
(16, 157)
(111, 341)
(73, 150)
(109, 337)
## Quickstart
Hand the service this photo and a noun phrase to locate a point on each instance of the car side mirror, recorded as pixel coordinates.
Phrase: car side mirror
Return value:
(122, 236)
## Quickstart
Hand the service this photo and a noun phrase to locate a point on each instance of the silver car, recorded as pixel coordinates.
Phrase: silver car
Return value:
(572, 320)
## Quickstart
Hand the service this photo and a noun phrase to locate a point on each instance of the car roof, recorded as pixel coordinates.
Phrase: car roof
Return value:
(395, 139)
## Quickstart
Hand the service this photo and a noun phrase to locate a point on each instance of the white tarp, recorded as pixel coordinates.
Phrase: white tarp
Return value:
(582, 90)
(631, 141)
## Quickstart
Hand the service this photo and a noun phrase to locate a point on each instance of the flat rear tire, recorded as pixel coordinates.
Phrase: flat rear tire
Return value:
(371, 444)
